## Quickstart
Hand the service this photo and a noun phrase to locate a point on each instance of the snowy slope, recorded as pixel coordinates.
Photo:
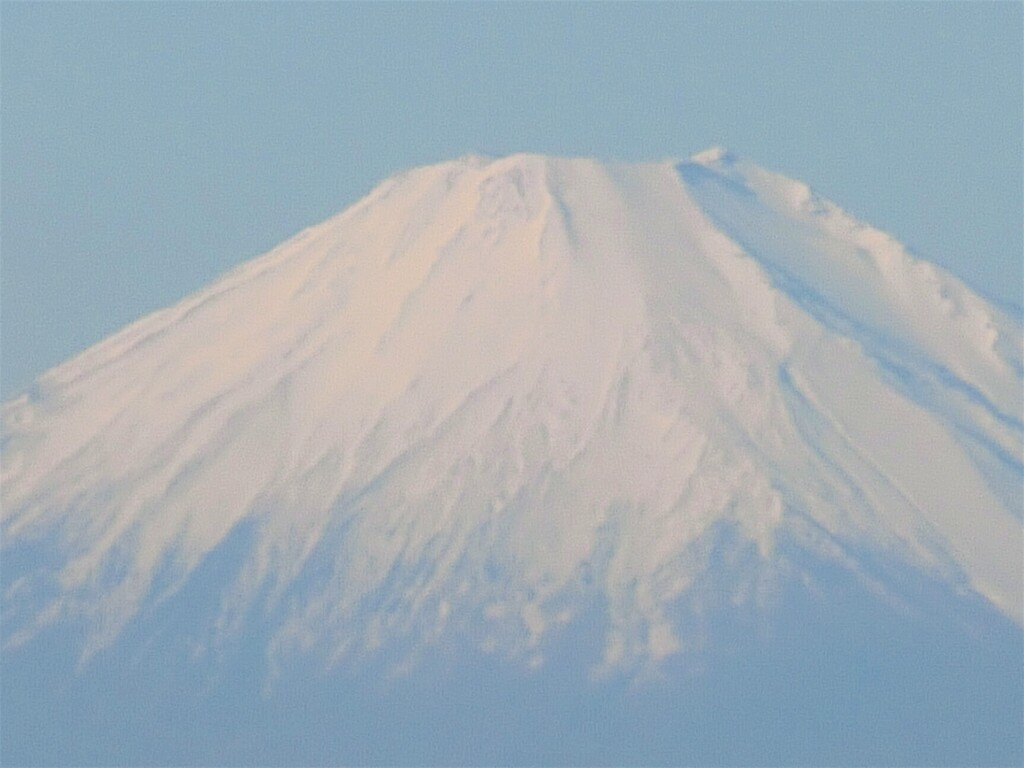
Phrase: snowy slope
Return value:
(496, 388)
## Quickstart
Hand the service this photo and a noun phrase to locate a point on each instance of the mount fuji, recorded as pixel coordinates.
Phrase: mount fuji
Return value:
(531, 460)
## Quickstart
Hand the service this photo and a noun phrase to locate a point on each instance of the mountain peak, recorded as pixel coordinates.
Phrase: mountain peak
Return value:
(496, 389)
(714, 155)
(515, 446)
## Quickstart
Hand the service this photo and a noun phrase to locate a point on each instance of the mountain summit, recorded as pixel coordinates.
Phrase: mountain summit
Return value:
(497, 400)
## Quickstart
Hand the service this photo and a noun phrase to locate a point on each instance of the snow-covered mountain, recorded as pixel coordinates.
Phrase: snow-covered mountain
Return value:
(499, 400)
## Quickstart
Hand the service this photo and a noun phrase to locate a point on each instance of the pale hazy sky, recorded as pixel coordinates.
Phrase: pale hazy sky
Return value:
(146, 148)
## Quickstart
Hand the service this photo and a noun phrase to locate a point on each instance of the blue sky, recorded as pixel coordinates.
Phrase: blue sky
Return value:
(146, 148)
